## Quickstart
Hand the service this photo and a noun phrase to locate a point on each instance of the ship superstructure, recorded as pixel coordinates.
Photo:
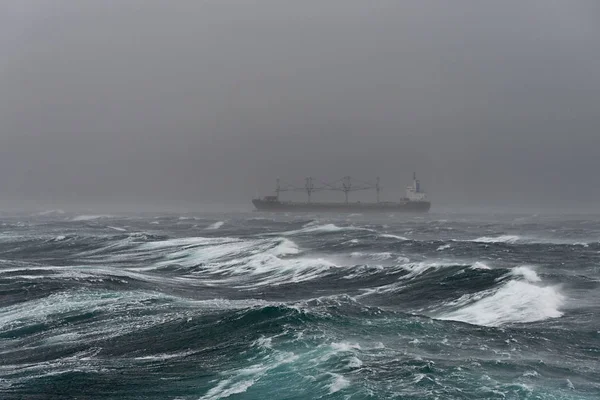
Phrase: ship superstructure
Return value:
(414, 201)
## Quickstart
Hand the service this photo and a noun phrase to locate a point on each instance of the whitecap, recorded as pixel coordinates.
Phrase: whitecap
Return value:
(526, 272)
(531, 374)
(227, 388)
(242, 379)
(480, 265)
(354, 362)
(286, 247)
(345, 346)
(497, 239)
(327, 228)
(514, 302)
(242, 263)
(390, 236)
(339, 383)
(570, 384)
(216, 225)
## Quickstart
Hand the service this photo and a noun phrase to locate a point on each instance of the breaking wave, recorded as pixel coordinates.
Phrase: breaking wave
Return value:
(216, 225)
(498, 239)
(327, 228)
(515, 301)
(333, 308)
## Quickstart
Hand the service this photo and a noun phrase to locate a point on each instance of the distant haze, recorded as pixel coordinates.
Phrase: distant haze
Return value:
(144, 102)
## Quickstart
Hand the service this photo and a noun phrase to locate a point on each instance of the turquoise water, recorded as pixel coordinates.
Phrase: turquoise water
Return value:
(255, 306)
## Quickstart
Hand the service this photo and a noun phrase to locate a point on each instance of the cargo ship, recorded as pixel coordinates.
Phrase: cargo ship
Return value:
(415, 200)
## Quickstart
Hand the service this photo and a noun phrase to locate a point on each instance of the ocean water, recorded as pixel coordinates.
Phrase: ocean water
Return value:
(264, 306)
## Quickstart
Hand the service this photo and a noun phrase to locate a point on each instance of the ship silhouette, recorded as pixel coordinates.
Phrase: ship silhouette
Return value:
(414, 201)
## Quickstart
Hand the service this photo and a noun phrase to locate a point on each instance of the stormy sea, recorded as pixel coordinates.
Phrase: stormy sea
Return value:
(265, 306)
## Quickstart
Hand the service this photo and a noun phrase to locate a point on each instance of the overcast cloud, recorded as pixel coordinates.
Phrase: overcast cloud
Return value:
(191, 102)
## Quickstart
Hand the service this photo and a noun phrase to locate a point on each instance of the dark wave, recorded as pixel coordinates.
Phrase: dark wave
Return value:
(147, 306)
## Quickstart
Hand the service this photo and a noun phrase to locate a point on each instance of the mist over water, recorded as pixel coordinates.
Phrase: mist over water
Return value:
(258, 305)
(141, 104)
(134, 135)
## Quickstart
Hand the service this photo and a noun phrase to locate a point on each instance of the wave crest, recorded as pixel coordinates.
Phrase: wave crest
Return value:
(514, 302)
(497, 239)
(216, 225)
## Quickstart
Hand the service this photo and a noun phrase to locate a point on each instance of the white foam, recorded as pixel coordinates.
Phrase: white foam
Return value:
(188, 241)
(526, 272)
(354, 362)
(390, 236)
(312, 228)
(512, 239)
(480, 265)
(570, 384)
(264, 342)
(42, 309)
(216, 225)
(60, 238)
(412, 269)
(274, 271)
(373, 256)
(240, 263)
(242, 379)
(345, 346)
(415, 269)
(121, 306)
(514, 302)
(339, 383)
(443, 247)
(497, 239)
(327, 228)
(531, 374)
(165, 356)
(286, 247)
(222, 390)
(116, 228)
(68, 337)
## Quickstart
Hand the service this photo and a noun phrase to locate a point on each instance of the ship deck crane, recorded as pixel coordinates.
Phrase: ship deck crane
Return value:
(346, 185)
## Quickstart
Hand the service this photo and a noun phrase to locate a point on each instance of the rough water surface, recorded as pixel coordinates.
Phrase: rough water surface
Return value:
(264, 306)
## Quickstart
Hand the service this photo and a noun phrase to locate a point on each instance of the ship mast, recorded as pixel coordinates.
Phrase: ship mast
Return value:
(346, 186)
(309, 186)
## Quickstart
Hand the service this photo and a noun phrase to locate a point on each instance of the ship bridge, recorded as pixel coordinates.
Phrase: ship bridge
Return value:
(414, 192)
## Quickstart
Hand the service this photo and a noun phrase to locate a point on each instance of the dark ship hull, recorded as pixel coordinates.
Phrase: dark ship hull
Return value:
(286, 206)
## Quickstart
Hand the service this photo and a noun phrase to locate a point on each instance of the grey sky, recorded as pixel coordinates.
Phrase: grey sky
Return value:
(177, 102)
